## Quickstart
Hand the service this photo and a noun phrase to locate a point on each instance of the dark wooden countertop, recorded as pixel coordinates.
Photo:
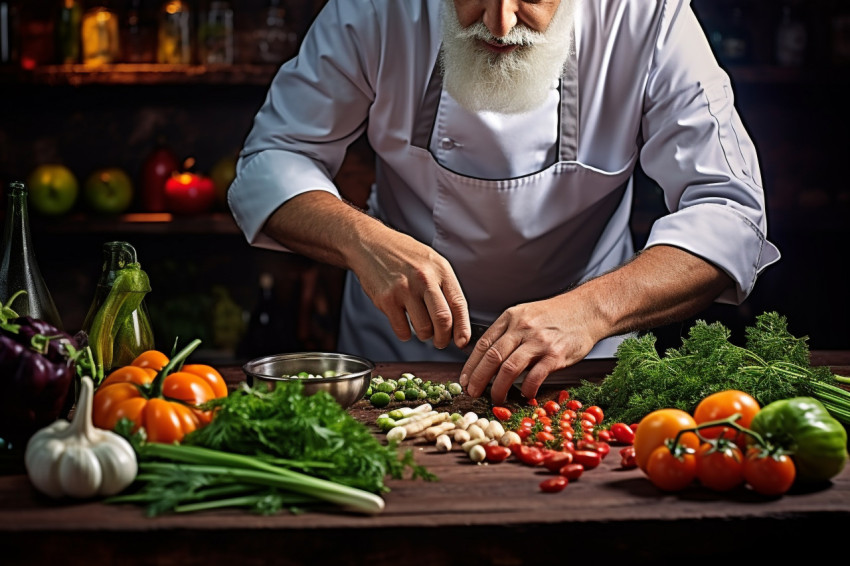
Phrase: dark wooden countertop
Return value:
(474, 514)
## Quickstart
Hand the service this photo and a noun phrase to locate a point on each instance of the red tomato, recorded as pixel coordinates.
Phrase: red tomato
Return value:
(668, 472)
(589, 459)
(722, 405)
(496, 452)
(627, 458)
(769, 475)
(551, 407)
(563, 396)
(530, 455)
(622, 433)
(658, 426)
(574, 404)
(596, 412)
(554, 484)
(572, 471)
(720, 467)
(605, 436)
(557, 460)
(502, 413)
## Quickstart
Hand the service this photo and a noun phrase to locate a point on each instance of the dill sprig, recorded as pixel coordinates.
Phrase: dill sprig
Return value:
(773, 365)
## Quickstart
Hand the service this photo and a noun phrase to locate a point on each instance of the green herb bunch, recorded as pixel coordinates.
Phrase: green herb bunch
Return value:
(313, 433)
(772, 365)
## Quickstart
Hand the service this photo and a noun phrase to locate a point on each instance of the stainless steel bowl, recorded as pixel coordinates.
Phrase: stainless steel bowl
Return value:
(347, 389)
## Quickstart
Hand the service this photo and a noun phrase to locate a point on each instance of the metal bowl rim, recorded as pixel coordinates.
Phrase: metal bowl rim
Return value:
(368, 368)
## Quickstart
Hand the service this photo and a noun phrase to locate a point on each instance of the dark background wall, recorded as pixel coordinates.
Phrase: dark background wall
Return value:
(796, 114)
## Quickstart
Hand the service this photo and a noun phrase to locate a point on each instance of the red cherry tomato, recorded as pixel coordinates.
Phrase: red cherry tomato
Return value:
(574, 404)
(589, 459)
(551, 407)
(502, 413)
(572, 471)
(668, 472)
(596, 412)
(557, 459)
(530, 455)
(720, 467)
(563, 396)
(496, 452)
(627, 458)
(622, 433)
(554, 484)
(769, 475)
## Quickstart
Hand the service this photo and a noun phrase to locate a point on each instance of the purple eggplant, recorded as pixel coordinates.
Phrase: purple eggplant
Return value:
(37, 377)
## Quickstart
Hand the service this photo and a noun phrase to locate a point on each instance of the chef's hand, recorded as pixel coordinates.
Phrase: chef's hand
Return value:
(539, 337)
(406, 279)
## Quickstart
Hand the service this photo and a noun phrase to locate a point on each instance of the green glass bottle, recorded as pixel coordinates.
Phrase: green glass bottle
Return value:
(68, 27)
(128, 334)
(19, 269)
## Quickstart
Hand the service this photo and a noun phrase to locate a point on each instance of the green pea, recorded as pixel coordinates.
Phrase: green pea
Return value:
(386, 387)
(399, 395)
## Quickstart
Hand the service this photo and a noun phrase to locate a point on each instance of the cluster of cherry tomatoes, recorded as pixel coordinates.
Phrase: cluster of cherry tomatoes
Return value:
(675, 449)
(563, 436)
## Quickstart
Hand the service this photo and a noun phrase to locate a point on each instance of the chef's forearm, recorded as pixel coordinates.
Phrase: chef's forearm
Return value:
(659, 286)
(322, 227)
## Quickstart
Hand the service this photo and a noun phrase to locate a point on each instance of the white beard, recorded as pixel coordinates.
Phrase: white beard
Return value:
(509, 83)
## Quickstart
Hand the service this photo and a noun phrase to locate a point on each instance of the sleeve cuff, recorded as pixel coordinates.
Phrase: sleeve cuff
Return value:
(723, 236)
(264, 182)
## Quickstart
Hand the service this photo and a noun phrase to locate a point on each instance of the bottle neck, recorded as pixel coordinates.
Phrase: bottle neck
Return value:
(16, 224)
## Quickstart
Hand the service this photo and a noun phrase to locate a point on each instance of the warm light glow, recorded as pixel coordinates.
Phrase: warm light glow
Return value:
(148, 217)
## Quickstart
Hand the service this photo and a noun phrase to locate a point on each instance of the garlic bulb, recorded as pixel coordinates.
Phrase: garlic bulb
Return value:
(77, 459)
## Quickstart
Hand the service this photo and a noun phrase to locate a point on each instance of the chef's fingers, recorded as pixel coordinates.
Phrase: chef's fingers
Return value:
(399, 322)
(420, 318)
(441, 318)
(459, 328)
(523, 357)
(489, 358)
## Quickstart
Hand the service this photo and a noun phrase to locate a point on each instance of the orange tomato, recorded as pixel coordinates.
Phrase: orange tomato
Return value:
(724, 404)
(658, 426)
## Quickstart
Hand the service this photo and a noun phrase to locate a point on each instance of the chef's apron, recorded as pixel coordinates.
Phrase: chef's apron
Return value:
(509, 241)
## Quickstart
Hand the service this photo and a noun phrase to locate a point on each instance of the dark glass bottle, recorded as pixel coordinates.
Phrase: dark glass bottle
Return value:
(9, 33)
(19, 268)
(276, 39)
(135, 335)
(263, 337)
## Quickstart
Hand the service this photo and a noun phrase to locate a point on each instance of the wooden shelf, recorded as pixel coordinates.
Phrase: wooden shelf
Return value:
(141, 74)
(138, 223)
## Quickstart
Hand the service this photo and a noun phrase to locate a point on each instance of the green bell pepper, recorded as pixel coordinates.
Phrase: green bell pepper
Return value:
(804, 428)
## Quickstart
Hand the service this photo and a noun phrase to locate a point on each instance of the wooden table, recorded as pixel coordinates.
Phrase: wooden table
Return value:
(475, 514)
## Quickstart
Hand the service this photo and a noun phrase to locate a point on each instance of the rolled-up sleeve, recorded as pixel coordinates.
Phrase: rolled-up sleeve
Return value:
(698, 151)
(315, 108)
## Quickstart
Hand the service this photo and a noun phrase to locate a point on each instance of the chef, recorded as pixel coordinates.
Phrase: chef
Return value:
(506, 133)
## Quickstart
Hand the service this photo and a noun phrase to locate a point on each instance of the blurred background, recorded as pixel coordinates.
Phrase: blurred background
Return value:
(126, 89)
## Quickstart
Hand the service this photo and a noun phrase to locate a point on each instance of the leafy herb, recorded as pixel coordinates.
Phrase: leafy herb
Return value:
(267, 451)
(772, 365)
(283, 423)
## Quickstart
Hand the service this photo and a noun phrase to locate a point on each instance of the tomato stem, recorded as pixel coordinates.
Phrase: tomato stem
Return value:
(730, 421)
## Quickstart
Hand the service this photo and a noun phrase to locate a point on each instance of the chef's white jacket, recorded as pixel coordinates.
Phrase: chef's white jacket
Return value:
(644, 85)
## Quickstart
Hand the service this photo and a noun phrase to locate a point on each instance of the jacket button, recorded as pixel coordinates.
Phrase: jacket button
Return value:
(447, 143)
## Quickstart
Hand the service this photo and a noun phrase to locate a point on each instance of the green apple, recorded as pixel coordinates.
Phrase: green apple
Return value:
(108, 191)
(53, 189)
